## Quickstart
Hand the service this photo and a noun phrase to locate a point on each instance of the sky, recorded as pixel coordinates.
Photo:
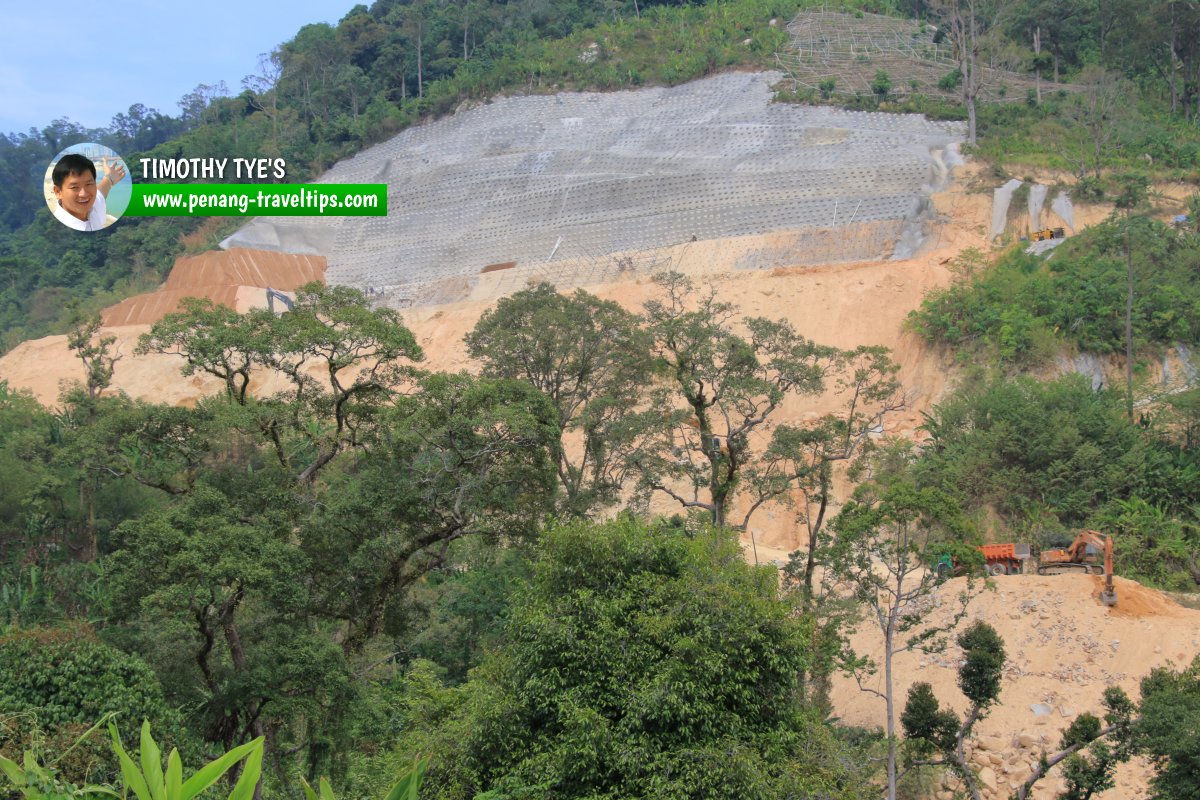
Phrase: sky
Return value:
(120, 52)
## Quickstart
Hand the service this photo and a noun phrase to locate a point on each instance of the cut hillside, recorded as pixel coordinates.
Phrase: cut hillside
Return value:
(843, 304)
(236, 278)
(851, 49)
(1064, 647)
(572, 186)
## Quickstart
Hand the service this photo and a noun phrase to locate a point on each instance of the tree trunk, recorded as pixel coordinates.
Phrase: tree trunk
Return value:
(971, 139)
(1171, 73)
(87, 506)
(890, 700)
(814, 530)
(420, 66)
(1037, 69)
(1128, 323)
(972, 78)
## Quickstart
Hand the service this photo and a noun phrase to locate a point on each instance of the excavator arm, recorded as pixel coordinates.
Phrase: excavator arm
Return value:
(1108, 595)
(1078, 549)
(1103, 543)
(1075, 558)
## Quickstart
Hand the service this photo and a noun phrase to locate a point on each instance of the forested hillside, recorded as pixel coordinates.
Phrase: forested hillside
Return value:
(380, 579)
(331, 90)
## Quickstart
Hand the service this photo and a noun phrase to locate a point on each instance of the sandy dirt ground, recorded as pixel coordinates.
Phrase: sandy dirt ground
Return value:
(1064, 647)
(236, 279)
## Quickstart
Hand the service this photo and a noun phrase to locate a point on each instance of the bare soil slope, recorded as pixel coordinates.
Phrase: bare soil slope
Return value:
(1064, 647)
(235, 278)
(838, 304)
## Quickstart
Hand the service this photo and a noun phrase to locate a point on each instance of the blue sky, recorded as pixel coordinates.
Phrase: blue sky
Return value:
(121, 52)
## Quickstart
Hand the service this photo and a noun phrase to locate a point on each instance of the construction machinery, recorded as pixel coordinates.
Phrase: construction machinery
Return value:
(1091, 553)
(998, 559)
(285, 301)
(1005, 559)
(1046, 234)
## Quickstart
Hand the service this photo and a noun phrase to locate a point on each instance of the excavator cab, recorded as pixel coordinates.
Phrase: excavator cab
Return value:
(1090, 553)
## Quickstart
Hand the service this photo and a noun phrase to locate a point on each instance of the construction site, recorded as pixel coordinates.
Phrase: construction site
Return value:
(838, 221)
(579, 189)
(846, 51)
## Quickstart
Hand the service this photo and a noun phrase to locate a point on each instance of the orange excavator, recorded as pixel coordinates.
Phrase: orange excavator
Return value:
(1083, 555)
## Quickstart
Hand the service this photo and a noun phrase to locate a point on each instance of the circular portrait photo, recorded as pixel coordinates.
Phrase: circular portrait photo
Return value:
(87, 187)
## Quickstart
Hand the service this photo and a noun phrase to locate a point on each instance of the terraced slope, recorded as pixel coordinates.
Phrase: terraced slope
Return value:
(568, 182)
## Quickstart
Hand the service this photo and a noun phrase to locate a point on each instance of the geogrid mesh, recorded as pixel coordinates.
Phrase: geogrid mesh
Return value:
(546, 180)
(851, 49)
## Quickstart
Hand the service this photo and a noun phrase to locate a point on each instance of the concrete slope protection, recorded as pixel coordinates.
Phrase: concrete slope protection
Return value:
(558, 178)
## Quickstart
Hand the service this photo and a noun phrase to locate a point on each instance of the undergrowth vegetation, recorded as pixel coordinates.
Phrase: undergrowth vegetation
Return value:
(1023, 309)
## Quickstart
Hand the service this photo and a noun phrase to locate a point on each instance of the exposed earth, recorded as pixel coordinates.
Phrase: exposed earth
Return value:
(1064, 646)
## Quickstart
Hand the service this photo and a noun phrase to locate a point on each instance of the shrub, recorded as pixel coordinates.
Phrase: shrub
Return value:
(60, 681)
(951, 80)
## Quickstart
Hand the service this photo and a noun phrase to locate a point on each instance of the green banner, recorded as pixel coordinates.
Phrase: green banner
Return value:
(251, 200)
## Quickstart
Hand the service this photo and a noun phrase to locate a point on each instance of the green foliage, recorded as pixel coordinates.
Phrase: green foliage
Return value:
(362, 354)
(1083, 730)
(641, 662)
(882, 85)
(464, 609)
(826, 86)
(1096, 751)
(407, 788)
(1150, 541)
(463, 457)
(148, 781)
(1169, 730)
(216, 588)
(1025, 307)
(983, 664)
(94, 351)
(592, 360)
(36, 779)
(57, 682)
(928, 728)
(212, 339)
(1053, 456)
(730, 383)
(884, 541)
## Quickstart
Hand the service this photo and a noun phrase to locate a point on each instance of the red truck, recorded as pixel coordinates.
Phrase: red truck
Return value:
(998, 559)
(1005, 559)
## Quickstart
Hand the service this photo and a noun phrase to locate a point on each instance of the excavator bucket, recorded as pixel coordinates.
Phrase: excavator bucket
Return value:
(1108, 597)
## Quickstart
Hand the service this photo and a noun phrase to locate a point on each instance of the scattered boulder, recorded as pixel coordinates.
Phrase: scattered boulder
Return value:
(993, 743)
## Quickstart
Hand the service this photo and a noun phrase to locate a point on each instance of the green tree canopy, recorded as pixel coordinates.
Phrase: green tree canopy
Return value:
(591, 359)
(1169, 730)
(644, 662)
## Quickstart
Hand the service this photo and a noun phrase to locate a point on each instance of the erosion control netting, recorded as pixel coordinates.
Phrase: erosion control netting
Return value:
(853, 49)
(574, 179)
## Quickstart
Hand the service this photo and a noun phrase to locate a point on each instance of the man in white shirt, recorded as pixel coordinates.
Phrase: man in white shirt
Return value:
(81, 201)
